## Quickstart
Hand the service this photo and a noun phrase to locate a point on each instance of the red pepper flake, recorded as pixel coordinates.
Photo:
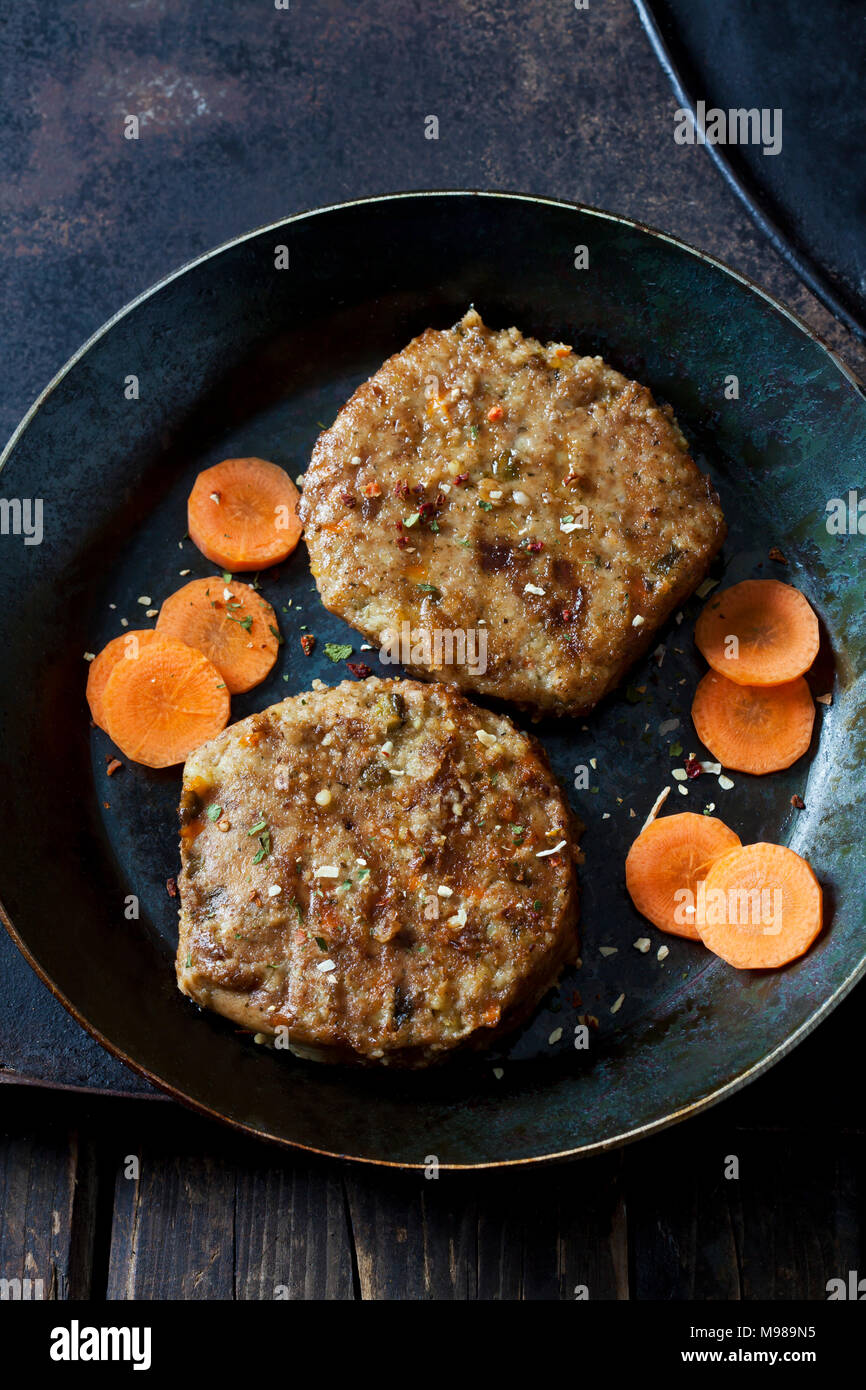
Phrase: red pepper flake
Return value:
(535, 546)
(496, 413)
(402, 542)
(107, 805)
(308, 642)
(798, 803)
(372, 489)
(402, 489)
(347, 498)
(693, 767)
(461, 479)
(359, 669)
(171, 887)
(113, 766)
(566, 615)
(571, 478)
(776, 554)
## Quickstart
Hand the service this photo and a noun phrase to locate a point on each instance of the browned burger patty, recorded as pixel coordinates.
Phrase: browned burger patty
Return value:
(479, 477)
(382, 870)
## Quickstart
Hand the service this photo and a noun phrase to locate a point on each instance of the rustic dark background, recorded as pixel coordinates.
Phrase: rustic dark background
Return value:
(248, 114)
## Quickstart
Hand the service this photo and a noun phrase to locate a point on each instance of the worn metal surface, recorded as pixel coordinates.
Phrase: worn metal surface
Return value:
(806, 195)
(234, 356)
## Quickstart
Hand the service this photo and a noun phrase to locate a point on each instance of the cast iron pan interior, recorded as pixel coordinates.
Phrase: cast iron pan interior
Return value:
(236, 357)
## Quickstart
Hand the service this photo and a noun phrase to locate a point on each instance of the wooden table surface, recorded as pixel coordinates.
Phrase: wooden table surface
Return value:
(243, 122)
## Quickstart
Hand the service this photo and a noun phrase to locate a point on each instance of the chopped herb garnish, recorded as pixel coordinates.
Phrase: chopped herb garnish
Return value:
(675, 750)
(429, 589)
(262, 825)
(537, 904)
(461, 540)
(227, 577)
(485, 506)
(337, 651)
(473, 431)
(276, 633)
(246, 623)
(321, 943)
(265, 842)
(214, 812)
(411, 520)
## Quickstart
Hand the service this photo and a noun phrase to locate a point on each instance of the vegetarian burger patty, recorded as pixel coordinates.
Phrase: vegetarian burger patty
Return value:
(481, 478)
(382, 870)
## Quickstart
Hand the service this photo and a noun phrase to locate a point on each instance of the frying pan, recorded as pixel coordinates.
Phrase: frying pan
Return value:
(233, 355)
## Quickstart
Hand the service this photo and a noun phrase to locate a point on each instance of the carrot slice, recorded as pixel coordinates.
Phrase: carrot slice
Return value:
(128, 644)
(753, 728)
(230, 623)
(762, 908)
(775, 628)
(162, 706)
(242, 514)
(665, 863)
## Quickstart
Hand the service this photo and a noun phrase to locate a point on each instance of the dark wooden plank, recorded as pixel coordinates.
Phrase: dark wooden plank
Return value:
(789, 1222)
(292, 1232)
(799, 1219)
(553, 1233)
(46, 1200)
(173, 1233)
(528, 1234)
(415, 1238)
(682, 1235)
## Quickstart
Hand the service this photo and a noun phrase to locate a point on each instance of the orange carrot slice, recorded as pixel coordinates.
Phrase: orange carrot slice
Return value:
(128, 644)
(230, 623)
(762, 908)
(161, 706)
(242, 514)
(665, 863)
(774, 627)
(753, 728)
